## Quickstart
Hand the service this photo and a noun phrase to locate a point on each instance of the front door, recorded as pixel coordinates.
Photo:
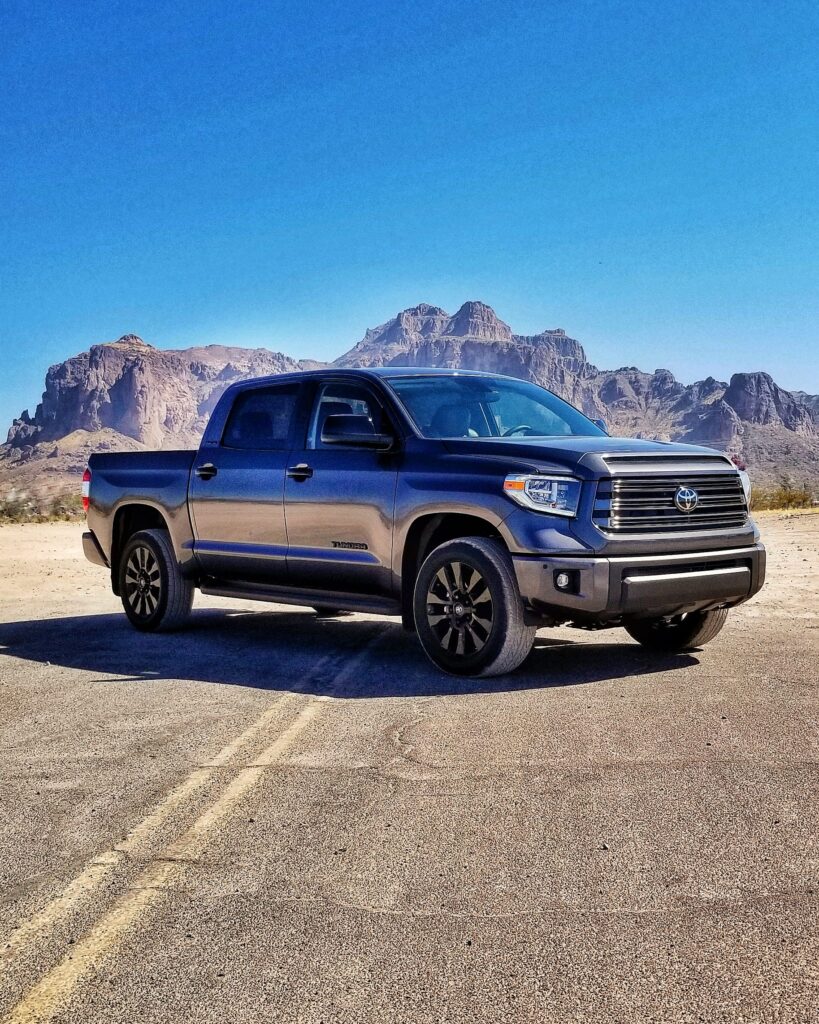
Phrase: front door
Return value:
(340, 501)
(237, 488)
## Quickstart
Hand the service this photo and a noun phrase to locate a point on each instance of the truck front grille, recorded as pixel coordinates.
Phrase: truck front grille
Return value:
(646, 503)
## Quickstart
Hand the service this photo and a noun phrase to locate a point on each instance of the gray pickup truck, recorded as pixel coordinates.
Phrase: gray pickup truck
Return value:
(477, 507)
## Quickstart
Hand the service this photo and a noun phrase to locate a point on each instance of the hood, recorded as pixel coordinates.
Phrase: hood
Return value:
(567, 451)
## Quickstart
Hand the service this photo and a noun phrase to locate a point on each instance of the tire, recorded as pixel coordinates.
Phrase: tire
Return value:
(468, 610)
(680, 633)
(154, 593)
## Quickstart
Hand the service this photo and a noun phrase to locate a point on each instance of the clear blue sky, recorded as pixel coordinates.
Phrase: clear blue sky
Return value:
(643, 174)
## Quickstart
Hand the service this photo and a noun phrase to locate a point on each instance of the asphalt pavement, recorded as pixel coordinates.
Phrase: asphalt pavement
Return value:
(273, 817)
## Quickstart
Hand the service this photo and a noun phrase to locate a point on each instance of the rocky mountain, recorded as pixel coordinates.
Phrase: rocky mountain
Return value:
(124, 395)
(810, 402)
(157, 397)
(751, 416)
(129, 395)
(475, 339)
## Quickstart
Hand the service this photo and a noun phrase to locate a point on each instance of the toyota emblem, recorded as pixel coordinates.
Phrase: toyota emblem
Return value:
(686, 499)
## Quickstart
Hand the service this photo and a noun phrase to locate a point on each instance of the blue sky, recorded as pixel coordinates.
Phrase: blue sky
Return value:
(644, 175)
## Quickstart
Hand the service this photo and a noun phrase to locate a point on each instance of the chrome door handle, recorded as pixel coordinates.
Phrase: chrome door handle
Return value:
(300, 472)
(207, 471)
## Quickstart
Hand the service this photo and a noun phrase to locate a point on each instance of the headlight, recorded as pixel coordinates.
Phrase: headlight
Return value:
(746, 485)
(558, 495)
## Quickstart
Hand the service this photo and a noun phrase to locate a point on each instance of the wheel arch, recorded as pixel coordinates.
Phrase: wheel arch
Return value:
(129, 519)
(425, 534)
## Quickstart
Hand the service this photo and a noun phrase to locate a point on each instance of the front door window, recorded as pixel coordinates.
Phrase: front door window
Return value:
(338, 400)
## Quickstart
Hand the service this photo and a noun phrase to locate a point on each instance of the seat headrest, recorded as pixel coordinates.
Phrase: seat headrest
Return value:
(451, 421)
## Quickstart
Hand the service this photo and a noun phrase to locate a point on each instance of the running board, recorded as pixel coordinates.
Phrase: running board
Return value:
(293, 595)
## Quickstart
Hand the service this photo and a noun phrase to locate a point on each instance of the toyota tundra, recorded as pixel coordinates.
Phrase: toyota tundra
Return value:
(477, 507)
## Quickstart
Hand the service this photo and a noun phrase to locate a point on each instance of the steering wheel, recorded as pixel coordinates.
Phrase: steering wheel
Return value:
(514, 430)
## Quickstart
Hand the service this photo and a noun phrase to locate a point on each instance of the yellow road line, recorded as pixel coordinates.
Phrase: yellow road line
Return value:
(104, 864)
(52, 991)
(191, 843)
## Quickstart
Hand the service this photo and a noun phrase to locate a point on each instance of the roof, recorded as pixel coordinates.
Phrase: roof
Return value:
(428, 371)
(368, 372)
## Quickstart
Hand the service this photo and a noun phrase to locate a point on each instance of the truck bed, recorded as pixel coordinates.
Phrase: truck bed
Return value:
(142, 474)
(155, 479)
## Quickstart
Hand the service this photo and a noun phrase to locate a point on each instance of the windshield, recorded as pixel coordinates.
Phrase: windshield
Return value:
(488, 407)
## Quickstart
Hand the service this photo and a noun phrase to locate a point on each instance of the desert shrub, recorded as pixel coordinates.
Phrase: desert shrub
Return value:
(786, 494)
(25, 508)
(66, 506)
(15, 508)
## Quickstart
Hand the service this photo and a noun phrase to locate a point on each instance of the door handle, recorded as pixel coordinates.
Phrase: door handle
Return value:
(207, 471)
(300, 472)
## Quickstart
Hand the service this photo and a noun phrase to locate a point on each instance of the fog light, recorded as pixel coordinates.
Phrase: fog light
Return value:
(567, 581)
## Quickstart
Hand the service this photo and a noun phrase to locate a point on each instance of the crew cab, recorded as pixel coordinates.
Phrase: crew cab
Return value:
(475, 506)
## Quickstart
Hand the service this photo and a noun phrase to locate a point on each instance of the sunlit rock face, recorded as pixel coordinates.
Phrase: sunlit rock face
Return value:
(158, 397)
(127, 393)
(751, 416)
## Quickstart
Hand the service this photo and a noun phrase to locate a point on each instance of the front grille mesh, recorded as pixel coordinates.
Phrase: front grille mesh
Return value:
(645, 503)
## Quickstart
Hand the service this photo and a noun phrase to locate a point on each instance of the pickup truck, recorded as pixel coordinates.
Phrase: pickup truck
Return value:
(475, 506)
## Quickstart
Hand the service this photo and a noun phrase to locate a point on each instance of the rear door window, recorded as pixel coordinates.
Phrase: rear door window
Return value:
(262, 419)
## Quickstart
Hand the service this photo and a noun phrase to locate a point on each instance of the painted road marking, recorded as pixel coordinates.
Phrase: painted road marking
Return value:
(102, 866)
(53, 990)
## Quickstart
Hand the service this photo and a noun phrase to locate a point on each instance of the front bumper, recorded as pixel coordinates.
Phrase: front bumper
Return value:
(641, 585)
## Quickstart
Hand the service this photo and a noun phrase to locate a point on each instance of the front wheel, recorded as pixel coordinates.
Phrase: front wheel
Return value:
(468, 610)
(154, 593)
(677, 632)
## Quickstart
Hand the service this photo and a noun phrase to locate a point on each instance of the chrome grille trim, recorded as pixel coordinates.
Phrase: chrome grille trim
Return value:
(644, 502)
(675, 462)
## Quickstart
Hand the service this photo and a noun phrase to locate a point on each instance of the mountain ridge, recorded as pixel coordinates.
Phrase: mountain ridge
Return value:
(148, 397)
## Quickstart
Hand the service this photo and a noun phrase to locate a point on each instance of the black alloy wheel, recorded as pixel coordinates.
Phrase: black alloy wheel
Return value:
(459, 608)
(152, 588)
(468, 611)
(143, 581)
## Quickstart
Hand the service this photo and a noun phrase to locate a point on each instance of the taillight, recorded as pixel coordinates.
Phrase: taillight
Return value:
(86, 489)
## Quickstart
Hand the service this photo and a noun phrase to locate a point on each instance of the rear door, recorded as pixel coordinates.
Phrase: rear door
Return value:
(237, 487)
(340, 501)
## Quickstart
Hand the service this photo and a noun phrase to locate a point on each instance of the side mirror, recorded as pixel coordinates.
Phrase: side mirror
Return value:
(354, 430)
(602, 425)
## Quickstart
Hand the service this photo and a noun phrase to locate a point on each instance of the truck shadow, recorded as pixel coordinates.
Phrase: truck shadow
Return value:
(298, 652)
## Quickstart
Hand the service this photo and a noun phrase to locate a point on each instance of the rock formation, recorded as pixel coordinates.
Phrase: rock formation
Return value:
(148, 397)
(160, 398)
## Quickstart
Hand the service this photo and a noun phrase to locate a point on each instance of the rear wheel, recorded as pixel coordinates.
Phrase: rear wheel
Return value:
(468, 610)
(678, 632)
(154, 593)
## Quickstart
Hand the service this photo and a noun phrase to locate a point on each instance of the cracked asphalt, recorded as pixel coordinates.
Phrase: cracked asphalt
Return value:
(272, 817)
